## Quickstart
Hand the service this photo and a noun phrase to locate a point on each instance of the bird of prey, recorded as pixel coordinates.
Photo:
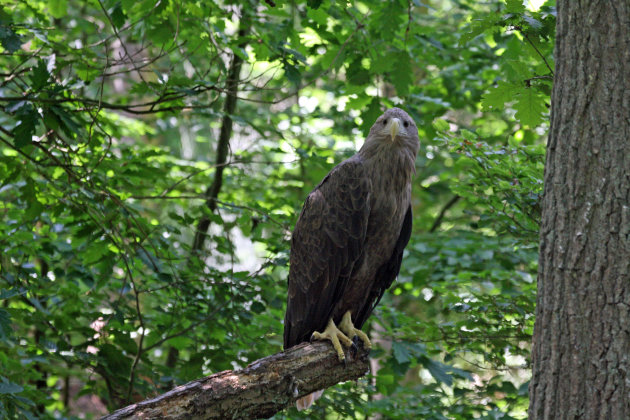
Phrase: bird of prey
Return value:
(348, 242)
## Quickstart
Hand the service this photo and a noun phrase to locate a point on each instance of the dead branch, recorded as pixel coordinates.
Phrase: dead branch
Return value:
(263, 388)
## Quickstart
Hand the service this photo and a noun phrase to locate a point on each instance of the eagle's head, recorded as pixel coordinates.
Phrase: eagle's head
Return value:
(394, 130)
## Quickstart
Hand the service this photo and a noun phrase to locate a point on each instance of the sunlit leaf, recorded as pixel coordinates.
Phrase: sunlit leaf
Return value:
(530, 107)
(58, 8)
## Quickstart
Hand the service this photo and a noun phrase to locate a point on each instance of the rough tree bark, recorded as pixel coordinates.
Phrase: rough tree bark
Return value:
(259, 391)
(581, 345)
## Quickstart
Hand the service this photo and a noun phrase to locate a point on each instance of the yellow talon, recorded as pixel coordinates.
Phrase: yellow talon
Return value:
(335, 336)
(347, 327)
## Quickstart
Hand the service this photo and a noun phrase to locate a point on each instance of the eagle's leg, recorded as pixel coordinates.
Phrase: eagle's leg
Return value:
(335, 336)
(347, 327)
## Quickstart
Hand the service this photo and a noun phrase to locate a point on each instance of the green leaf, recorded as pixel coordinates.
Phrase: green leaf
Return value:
(9, 39)
(513, 49)
(402, 75)
(126, 343)
(479, 26)
(314, 4)
(400, 352)
(533, 23)
(497, 97)
(357, 75)
(258, 307)
(27, 123)
(34, 209)
(94, 253)
(161, 33)
(334, 57)
(39, 75)
(439, 371)
(515, 6)
(440, 124)
(37, 304)
(118, 16)
(386, 20)
(86, 71)
(319, 16)
(5, 324)
(385, 382)
(290, 53)
(370, 115)
(8, 387)
(115, 361)
(6, 294)
(382, 64)
(58, 8)
(292, 73)
(530, 107)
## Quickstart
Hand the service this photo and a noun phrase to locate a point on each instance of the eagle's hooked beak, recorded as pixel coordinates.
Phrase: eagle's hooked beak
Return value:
(393, 128)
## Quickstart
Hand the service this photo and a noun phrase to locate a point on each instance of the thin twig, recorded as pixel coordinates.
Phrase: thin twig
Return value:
(438, 219)
(141, 320)
(535, 49)
(122, 43)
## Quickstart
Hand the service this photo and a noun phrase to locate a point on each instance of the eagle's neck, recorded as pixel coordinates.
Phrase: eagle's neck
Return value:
(389, 164)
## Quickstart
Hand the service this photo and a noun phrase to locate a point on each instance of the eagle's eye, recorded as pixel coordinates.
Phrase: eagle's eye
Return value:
(385, 121)
(406, 123)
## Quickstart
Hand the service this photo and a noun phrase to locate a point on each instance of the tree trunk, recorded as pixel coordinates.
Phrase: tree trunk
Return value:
(223, 145)
(259, 391)
(581, 345)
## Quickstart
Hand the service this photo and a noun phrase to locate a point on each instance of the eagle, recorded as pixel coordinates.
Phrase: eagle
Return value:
(348, 242)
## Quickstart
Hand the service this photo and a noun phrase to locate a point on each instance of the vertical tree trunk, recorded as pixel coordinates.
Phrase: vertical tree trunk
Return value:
(223, 145)
(581, 347)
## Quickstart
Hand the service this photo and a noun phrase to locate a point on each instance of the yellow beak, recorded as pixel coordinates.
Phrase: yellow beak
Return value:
(393, 128)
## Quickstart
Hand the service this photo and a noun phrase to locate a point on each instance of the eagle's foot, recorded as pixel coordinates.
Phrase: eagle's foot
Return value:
(347, 327)
(336, 337)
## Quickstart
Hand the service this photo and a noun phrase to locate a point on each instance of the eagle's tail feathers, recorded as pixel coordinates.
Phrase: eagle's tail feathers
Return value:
(305, 402)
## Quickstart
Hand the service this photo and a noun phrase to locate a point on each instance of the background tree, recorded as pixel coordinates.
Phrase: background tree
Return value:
(581, 338)
(154, 156)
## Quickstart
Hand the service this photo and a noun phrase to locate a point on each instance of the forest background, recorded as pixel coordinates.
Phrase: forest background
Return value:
(154, 156)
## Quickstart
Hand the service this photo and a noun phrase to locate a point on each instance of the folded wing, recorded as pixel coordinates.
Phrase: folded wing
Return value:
(327, 244)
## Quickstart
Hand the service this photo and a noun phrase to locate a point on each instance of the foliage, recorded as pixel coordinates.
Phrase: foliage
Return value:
(113, 117)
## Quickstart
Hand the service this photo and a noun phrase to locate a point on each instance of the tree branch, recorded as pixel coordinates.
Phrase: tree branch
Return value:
(534, 47)
(438, 219)
(263, 388)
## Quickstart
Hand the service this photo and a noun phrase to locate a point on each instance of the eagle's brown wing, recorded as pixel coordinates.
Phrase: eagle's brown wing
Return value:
(386, 273)
(327, 242)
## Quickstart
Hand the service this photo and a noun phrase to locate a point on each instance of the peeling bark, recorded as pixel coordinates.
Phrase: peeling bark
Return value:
(259, 391)
(581, 344)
